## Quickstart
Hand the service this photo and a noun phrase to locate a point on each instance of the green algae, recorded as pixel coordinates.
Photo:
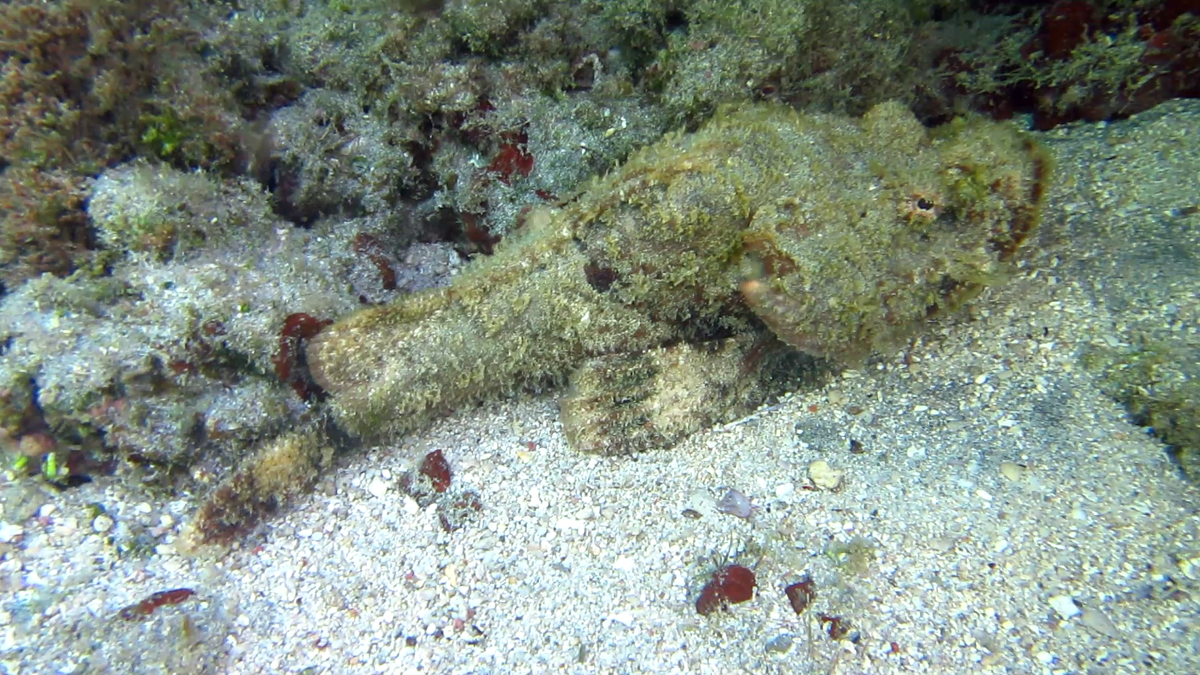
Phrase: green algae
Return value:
(1156, 383)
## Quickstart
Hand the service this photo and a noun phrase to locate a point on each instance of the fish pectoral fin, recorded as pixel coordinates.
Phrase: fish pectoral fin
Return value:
(625, 403)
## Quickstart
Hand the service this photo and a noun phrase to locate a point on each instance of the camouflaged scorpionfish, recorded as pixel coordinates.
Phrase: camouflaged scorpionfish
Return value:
(679, 291)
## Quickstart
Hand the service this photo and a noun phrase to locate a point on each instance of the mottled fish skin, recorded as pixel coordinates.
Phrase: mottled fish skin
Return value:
(840, 235)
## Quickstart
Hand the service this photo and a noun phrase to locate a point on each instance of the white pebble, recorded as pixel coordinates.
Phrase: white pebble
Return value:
(102, 524)
(625, 564)
(624, 618)
(1065, 606)
(570, 524)
(784, 490)
(702, 503)
(10, 532)
(377, 487)
(535, 498)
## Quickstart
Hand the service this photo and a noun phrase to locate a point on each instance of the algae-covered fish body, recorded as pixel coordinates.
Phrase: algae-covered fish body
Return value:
(652, 288)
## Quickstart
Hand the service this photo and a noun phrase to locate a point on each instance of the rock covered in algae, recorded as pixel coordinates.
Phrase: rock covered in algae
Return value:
(839, 236)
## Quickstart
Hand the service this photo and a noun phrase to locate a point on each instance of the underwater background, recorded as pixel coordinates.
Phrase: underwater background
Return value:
(599, 336)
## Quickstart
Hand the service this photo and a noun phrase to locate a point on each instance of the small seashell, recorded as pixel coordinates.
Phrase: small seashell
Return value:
(735, 504)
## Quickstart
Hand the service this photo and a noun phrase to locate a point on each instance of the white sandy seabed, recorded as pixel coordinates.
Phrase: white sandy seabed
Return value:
(1003, 516)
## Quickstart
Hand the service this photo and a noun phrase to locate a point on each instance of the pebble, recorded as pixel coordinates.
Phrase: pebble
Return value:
(825, 477)
(535, 498)
(702, 502)
(9, 532)
(377, 487)
(570, 524)
(779, 644)
(624, 618)
(1012, 470)
(102, 523)
(913, 452)
(1065, 606)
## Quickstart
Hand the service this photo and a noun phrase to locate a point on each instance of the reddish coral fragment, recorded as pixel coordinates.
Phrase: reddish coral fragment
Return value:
(801, 594)
(513, 158)
(143, 609)
(836, 626)
(290, 364)
(437, 469)
(729, 585)
(710, 599)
